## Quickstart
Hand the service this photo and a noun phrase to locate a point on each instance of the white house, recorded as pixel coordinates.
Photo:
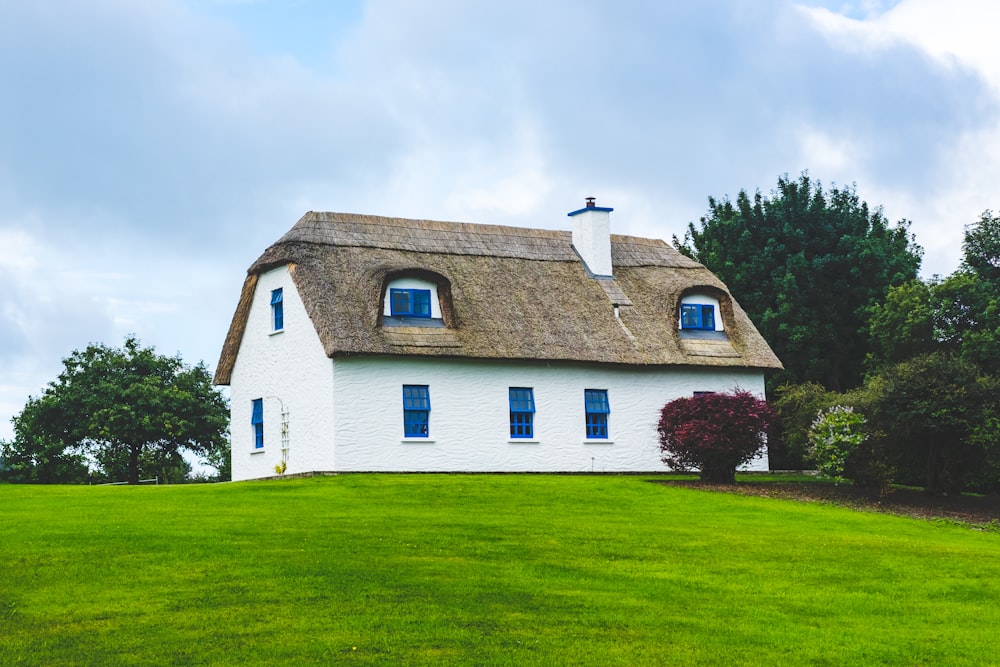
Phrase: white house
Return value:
(364, 343)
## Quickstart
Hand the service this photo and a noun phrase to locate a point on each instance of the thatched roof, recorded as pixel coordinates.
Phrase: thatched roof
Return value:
(506, 293)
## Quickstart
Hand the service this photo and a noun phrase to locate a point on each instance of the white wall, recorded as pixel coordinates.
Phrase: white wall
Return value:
(469, 418)
(289, 370)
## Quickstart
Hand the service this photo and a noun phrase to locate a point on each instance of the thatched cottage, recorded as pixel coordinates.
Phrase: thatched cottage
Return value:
(365, 343)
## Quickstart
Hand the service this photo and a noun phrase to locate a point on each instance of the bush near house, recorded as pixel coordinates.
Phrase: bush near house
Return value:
(713, 433)
(931, 421)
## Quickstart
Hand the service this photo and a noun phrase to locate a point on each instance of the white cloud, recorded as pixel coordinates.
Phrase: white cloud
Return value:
(957, 36)
(958, 32)
(150, 151)
(827, 154)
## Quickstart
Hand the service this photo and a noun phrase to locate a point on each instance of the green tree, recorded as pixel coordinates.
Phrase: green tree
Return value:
(981, 247)
(933, 411)
(959, 314)
(32, 457)
(131, 409)
(806, 264)
(903, 325)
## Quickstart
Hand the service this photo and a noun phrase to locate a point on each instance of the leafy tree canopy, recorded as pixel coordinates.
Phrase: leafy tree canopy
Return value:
(959, 315)
(981, 247)
(131, 409)
(936, 412)
(806, 264)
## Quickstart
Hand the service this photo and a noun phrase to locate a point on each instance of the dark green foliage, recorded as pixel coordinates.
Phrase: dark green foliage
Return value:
(936, 412)
(713, 433)
(166, 465)
(981, 247)
(959, 314)
(131, 409)
(806, 264)
(33, 457)
(795, 409)
(903, 325)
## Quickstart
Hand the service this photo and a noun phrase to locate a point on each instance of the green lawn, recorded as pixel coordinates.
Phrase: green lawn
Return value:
(482, 569)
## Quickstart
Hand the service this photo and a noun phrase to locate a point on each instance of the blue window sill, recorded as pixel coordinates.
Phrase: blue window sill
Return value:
(523, 441)
(598, 441)
(417, 441)
(257, 451)
(276, 332)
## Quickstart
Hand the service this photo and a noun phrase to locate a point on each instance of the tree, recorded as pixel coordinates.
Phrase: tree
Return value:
(959, 314)
(32, 457)
(934, 411)
(130, 408)
(981, 248)
(903, 325)
(806, 265)
(713, 433)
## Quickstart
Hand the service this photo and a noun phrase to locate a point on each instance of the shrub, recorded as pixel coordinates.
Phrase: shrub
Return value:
(713, 433)
(834, 437)
(936, 413)
(795, 410)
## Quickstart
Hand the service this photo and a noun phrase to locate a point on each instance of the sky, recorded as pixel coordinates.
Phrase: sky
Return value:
(150, 150)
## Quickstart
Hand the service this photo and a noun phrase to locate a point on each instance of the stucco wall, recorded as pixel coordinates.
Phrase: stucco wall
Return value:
(289, 371)
(469, 418)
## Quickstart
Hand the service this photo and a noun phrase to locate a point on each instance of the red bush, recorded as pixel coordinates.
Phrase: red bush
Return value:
(713, 433)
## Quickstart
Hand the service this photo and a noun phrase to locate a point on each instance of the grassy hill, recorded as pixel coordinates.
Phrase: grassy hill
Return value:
(482, 569)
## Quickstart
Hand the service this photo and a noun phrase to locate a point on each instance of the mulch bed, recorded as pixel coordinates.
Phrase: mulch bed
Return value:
(975, 510)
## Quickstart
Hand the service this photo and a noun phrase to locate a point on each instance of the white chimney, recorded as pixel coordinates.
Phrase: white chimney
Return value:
(592, 237)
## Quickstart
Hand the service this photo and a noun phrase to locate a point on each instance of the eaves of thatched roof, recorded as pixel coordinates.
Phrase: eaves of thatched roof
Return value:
(507, 292)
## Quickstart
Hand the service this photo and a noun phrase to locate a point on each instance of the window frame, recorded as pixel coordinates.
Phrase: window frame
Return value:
(257, 422)
(521, 401)
(416, 410)
(596, 407)
(278, 309)
(412, 294)
(693, 316)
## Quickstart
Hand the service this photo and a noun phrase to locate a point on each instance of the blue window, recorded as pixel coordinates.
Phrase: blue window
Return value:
(697, 316)
(416, 410)
(257, 421)
(522, 412)
(277, 309)
(410, 302)
(596, 406)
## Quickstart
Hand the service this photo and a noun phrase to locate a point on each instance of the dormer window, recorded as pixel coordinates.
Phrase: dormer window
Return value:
(410, 302)
(698, 316)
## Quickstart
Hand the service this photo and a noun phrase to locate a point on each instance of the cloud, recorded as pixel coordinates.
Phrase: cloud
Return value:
(150, 151)
(946, 182)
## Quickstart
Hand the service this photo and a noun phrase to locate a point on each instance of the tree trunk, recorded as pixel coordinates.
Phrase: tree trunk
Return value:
(718, 475)
(133, 465)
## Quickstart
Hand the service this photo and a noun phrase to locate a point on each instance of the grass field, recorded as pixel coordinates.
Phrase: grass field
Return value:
(482, 569)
